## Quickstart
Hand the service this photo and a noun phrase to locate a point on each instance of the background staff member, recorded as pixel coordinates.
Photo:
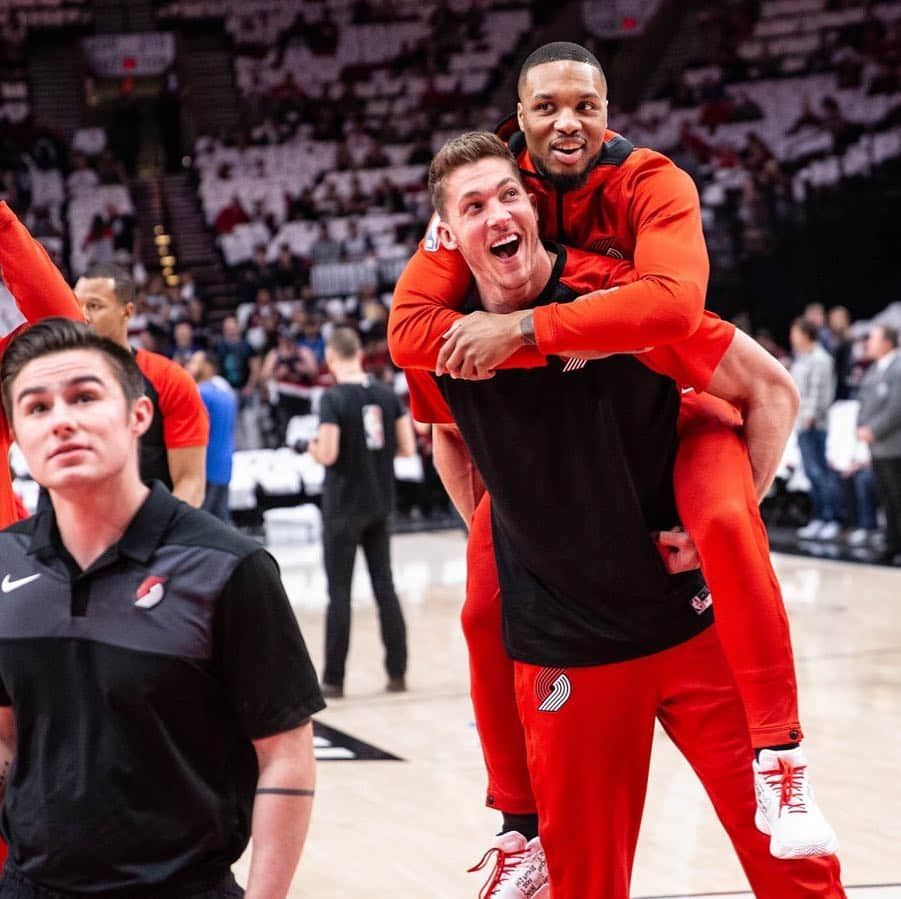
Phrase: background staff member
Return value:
(174, 448)
(122, 593)
(879, 425)
(363, 426)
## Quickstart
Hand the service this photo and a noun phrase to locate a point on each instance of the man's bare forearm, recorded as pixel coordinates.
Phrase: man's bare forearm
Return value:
(751, 379)
(456, 469)
(281, 812)
(768, 426)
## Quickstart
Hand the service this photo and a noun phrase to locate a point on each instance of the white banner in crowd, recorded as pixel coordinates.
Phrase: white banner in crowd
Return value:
(121, 55)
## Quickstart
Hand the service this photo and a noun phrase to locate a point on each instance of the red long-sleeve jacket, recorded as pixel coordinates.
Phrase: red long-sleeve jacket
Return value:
(635, 205)
(40, 291)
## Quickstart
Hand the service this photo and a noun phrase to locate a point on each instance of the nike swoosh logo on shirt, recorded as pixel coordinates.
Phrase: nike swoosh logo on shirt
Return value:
(7, 586)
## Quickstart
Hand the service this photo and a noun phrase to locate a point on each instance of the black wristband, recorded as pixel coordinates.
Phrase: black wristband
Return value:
(527, 329)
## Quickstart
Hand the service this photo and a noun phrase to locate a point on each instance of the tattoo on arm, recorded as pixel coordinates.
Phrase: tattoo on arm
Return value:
(284, 791)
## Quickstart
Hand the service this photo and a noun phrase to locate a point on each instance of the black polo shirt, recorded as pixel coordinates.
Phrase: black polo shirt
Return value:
(579, 467)
(137, 687)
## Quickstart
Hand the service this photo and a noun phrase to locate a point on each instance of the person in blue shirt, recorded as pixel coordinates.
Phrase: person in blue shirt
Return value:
(222, 406)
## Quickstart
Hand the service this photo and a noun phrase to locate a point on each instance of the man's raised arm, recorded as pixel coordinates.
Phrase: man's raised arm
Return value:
(37, 285)
(665, 302)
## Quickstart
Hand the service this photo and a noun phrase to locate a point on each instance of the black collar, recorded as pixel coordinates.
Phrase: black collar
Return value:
(143, 535)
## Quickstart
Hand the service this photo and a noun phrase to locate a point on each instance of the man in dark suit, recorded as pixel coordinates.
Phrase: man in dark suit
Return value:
(879, 425)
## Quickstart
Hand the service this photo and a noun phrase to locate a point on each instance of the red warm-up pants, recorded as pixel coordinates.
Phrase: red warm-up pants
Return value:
(589, 759)
(718, 506)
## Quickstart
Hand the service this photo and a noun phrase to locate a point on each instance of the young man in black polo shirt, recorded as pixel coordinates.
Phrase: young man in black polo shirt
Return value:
(363, 426)
(155, 690)
(578, 462)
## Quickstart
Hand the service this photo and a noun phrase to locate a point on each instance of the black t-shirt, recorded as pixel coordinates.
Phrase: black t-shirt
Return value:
(234, 362)
(361, 482)
(579, 468)
(138, 686)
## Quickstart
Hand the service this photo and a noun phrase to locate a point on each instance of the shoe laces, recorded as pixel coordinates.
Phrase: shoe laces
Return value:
(504, 865)
(791, 782)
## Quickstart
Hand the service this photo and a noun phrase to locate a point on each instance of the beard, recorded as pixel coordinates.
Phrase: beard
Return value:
(568, 182)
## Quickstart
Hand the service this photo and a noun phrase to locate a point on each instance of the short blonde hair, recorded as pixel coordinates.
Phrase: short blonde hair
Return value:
(464, 150)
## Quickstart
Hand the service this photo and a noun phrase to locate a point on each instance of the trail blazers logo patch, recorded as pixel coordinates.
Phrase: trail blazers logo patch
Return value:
(553, 689)
(703, 601)
(151, 592)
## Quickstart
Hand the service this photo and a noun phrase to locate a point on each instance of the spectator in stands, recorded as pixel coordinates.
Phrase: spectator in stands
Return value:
(833, 121)
(259, 275)
(879, 425)
(363, 426)
(289, 273)
(290, 371)
(816, 314)
(109, 169)
(388, 196)
(375, 156)
(222, 407)
(236, 361)
(183, 344)
(807, 118)
(239, 366)
(303, 206)
(97, 245)
(325, 248)
(40, 224)
(358, 202)
(356, 246)
(421, 153)
(231, 216)
(310, 337)
(862, 483)
(841, 345)
(260, 216)
(813, 373)
(124, 229)
(82, 179)
(885, 80)
(768, 342)
(330, 204)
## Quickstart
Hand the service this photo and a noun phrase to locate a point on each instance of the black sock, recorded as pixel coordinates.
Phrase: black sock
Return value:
(527, 825)
(775, 748)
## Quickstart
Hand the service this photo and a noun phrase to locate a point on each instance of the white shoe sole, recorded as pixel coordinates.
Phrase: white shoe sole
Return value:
(827, 846)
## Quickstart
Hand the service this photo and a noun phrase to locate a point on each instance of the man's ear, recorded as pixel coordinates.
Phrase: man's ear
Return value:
(129, 311)
(142, 415)
(519, 112)
(446, 236)
(533, 199)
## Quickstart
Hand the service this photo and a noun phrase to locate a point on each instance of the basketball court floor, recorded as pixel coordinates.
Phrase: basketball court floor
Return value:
(399, 808)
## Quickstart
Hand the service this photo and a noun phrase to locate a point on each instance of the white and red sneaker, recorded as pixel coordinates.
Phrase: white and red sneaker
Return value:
(520, 869)
(786, 808)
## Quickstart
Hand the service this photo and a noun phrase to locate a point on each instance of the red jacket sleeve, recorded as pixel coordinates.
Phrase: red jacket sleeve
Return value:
(185, 419)
(691, 362)
(666, 301)
(37, 285)
(427, 402)
(427, 299)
